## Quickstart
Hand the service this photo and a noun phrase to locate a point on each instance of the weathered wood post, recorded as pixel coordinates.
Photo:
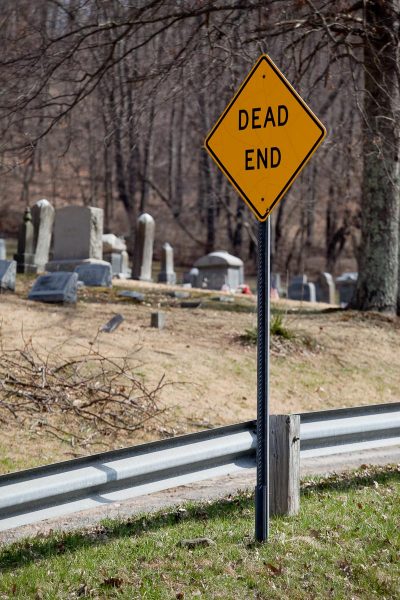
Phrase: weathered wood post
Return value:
(284, 461)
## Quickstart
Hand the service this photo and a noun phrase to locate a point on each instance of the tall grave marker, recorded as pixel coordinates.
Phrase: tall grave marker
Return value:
(261, 142)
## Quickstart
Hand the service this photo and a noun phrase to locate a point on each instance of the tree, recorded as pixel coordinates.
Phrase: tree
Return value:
(377, 285)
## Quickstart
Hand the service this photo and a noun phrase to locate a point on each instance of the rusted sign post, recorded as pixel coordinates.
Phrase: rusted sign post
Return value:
(261, 142)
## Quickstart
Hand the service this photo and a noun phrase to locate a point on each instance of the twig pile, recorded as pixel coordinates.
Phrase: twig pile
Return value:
(89, 396)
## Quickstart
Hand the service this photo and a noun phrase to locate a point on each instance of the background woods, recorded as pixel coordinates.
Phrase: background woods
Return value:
(108, 103)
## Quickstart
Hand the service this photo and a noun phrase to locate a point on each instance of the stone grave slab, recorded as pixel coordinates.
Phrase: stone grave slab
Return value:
(95, 274)
(55, 287)
(8, 270)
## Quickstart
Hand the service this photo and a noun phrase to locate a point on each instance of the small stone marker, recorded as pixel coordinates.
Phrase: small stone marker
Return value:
(8, 270)
(95, 274)
(143, 252)
(42, 220)
(137, 296)
(3, 249)
(112, 324)
(167, 274)
(325, 289)
(180, 295)
(24, 256)
(55, 287)
(158, 320)
(191, 304)
(300, 289)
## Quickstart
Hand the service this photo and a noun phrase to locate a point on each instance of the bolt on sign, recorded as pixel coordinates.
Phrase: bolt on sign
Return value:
(264, 137)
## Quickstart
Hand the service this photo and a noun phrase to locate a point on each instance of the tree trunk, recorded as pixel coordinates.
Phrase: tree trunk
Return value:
(378, 265)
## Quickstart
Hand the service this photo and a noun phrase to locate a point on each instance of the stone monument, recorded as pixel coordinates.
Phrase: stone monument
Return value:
(78, 234)
(8, 270)
(55, 287)
(301, 289)
(167, 273)
(42, 220)
(325, 288)
(218, 270)
(143, 252)
(25, 258)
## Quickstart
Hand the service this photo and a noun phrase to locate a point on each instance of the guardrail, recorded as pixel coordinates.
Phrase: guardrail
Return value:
(63, 488)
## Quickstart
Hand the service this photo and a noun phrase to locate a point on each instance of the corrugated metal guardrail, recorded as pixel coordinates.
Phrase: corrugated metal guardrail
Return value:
(66, 487)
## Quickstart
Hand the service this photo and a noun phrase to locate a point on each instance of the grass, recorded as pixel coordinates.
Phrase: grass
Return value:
(344, 544)
(277, 328)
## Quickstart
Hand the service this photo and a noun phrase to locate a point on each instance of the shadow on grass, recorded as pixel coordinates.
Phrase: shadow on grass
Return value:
(30, 550)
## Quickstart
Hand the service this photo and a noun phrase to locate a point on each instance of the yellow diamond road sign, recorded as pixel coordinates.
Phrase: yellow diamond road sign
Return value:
(264, 137)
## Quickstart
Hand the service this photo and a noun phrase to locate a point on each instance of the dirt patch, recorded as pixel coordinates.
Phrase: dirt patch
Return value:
(210, 375)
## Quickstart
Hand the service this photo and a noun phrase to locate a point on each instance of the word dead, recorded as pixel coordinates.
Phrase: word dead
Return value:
(262, 118)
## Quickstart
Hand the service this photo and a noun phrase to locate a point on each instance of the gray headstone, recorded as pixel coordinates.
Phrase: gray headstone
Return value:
(325, 289)
(137, 296)
(78, 232)
(192, 277)
(300, 279)
(167, 274)
(219, 270)
(112, 243)
(346, 285)
(24, 256)
(95, 274)
(8, 270)
(55, 287)
(143, 252)
(112, 324)
(304, 292)
(125, 269)
(43, 221)
(115, 260)
(157, 320)
(3, 249)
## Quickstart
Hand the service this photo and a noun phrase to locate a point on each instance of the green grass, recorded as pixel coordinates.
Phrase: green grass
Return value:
(277, 328)
(344, 544)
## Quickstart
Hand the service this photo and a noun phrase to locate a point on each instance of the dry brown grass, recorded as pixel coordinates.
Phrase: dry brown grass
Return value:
(352, 359)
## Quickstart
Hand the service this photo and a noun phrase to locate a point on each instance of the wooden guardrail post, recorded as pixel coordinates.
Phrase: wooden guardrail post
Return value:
(284, 460)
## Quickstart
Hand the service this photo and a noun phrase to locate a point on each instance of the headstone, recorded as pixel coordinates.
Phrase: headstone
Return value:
(157, 320)
(167, 274)
(24, 256)
(3, 249)
(219, 270)
(143, 252)
(8, 270)
(112, 324)
(300, 289)
(191, 304)
(325, 289)
(114, 252)
(43, 221)
(346, 285)
(78, 234)
(95, 274)
(191, 278)
(137, 296)
(55, 287)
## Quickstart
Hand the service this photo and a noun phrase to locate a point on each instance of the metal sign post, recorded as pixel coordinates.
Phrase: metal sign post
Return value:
(263, 322)
(261, 142)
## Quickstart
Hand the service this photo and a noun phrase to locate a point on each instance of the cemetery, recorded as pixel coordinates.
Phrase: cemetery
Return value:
(199, 300)
(72, 304)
